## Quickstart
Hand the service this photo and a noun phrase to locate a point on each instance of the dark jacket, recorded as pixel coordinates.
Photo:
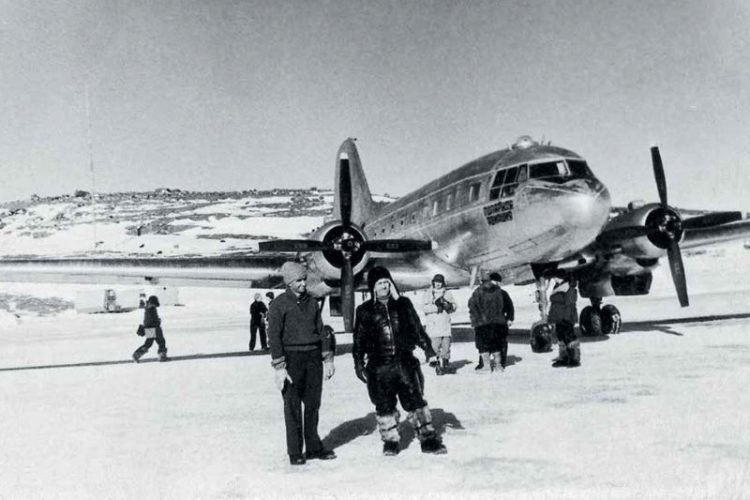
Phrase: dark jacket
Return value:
(388, 330)
(151, 317)
(563, 304)
(258, 309)
(294, 324)
(490, 305)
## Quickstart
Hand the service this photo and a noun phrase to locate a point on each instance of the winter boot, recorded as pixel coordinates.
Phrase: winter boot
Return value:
(163, 355)
(434, 445)
(388, 427)
(480, 363)
(390, 448)
(486, 367)
(137, 354)
(446, 366)
(421, 420)
(497, 366)
(574, 353)
(562, 356)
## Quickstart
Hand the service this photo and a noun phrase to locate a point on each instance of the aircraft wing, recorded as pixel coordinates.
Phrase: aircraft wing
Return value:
(717, 234)
(256, 271)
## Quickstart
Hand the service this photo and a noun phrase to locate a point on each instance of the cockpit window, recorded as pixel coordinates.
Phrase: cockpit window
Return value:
(578, 169)
(550, 169)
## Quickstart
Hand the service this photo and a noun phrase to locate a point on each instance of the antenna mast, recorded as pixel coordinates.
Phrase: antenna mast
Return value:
(91, 162)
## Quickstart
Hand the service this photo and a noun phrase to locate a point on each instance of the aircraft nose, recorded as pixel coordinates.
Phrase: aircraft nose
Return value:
(587, 205)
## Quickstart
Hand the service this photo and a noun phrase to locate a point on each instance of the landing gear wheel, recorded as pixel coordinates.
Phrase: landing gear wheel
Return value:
(611, 320)
(541, 337)
(590, 322)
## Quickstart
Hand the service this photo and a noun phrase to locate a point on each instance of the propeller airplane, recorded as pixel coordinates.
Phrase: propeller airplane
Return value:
(531, 212)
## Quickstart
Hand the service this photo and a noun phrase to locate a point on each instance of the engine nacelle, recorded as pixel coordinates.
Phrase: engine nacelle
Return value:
(658, 220)
(328, 263)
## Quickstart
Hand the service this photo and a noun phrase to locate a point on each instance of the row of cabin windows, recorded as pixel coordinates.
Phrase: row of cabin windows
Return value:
(444, 203)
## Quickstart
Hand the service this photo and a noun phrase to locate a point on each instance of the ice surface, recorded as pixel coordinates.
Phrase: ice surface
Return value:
(659, 411)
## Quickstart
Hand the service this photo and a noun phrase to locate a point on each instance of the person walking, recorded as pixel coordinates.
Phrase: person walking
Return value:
(301, 356)
(258, 312)
(153, 331)
(386, 331)
(438, 304)
(491, 312)
(563, 313)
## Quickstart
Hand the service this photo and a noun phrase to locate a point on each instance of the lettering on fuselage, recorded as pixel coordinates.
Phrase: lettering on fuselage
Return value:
(501, 211)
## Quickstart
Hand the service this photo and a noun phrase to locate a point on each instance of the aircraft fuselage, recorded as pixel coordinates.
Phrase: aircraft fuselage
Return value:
(527, 203)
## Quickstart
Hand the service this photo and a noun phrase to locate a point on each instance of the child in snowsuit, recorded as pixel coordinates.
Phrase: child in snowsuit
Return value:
(152, 326)
(386, 330)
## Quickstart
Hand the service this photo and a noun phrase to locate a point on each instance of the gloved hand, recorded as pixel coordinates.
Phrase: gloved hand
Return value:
(280, 377)
(359, 370)
(432, 361)
(328, 369)
(439, 303)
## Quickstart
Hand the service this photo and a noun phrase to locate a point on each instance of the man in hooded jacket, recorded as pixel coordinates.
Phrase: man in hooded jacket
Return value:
(491, 312)
(387, 329)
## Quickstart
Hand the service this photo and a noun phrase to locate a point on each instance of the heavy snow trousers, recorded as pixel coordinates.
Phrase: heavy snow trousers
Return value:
(442, 346)
(394, 379)
(150, 341)
(306, 371)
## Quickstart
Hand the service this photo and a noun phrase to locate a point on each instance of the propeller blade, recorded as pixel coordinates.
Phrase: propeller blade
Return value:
(345, 192)
(396, 245)
(291, 246)
(347, 294)
(710, 220)
(661, 181)
(678, 272)
(622, 233)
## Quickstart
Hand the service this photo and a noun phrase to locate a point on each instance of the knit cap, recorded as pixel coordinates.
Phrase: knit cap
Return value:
(292, 271)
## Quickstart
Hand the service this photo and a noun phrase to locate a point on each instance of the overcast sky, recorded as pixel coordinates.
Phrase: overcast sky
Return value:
(225, 95)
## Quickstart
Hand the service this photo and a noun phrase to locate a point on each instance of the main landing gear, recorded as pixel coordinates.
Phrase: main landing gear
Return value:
(596, 320)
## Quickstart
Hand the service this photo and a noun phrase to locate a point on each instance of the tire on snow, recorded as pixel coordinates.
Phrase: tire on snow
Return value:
(611, 320)
(590, 322)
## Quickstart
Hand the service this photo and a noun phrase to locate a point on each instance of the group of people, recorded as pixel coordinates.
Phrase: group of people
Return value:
(387, 329)
(259, 320)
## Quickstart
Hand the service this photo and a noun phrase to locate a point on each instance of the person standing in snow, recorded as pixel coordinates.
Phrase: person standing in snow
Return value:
(152, 327)
(491, 312)
(386, 330)
(258, 312)
(563, 313)
(301, 356)
(438, 304)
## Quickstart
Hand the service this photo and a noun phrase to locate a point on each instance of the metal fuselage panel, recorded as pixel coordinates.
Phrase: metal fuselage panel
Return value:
(476, 223)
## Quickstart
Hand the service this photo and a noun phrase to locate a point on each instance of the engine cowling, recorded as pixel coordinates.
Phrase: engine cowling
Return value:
(328, 263)
(660, 223)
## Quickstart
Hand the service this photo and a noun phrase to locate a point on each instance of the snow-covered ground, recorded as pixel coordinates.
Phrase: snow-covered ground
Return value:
(659, 411)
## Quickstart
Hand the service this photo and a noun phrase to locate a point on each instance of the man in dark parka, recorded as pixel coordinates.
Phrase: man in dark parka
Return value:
(387, 329)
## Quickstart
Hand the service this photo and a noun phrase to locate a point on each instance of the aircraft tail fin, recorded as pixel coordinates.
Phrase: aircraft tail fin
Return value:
(352, 199)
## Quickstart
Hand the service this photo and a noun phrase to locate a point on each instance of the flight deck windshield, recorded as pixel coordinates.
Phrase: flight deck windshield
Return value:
(559, 171)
